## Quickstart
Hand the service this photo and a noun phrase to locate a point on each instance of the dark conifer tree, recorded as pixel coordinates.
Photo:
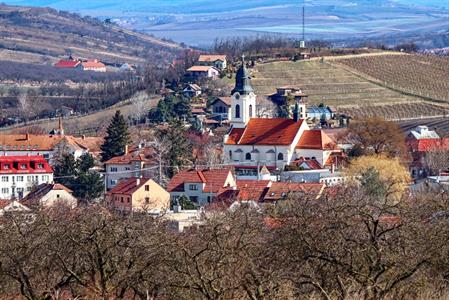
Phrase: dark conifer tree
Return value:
(117, 138)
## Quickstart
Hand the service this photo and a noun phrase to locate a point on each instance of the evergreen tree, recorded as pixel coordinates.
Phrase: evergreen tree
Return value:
(180, 152)
(90, 186)
(116, 139)
(85, 163)
(65, 170)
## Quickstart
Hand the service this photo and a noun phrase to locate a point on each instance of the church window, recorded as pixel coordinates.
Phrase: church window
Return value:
(230, 154)
(248, 156)
(237, 111)
(280, 156)
(250, 111)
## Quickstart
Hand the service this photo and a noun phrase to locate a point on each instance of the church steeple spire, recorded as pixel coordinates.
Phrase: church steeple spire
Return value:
(242, 80)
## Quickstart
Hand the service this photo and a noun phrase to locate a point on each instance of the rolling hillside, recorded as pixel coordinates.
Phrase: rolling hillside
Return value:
(43, 35)
(328, 83)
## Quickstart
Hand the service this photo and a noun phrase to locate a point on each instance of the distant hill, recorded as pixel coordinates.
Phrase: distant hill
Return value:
(44, 35)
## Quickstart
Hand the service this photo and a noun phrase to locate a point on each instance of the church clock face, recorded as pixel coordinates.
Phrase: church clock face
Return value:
(237, 96)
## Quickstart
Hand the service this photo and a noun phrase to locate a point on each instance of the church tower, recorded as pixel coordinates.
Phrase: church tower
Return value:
(243, 106)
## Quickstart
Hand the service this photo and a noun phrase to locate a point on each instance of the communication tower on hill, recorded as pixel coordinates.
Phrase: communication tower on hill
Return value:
(302, 43)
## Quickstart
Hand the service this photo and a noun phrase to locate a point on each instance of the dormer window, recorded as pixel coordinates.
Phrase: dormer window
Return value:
(40, 165)
(23, 166)
(6, 166)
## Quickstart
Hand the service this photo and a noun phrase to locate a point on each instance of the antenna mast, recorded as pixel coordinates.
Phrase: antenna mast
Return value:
(302, 43)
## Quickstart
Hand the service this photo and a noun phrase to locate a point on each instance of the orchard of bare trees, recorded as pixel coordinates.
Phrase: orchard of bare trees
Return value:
(348, 244)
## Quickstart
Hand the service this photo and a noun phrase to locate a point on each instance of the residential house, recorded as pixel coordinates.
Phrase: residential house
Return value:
(19, 174)
(65, 111)
(48, 195)
(200, 186)
(68, 64)
(198, 72)
(285, 93)
(192, 90)
(274, 142)
(8, 206)
(28, 145)
(221, 107)
(94, 65)
(422, 143)
(217, 61)
(127, 68)
(280, 191)
(139, 195)
(134, 163)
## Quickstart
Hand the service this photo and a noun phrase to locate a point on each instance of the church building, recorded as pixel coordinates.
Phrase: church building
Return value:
(272, 142)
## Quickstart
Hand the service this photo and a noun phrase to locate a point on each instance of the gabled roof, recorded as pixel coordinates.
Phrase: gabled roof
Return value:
(430, 144)
(423, 132)
(308, 164)
(265, 132)
(193, 86)
(315, 139)
(129, 186)
(32, 165)
(93, 64)
(67, 64)
(41, 190)
(214, 179)
(201, 69)
(211, 58)
(144, 155)
(281, 190)
(91, 144)
(252, 190)
(225, 100)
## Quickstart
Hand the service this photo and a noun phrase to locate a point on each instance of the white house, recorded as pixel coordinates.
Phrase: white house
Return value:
(133, 163)
(19, 174)
(50, 194)
(217, 61)
(192, 90)
(200, 186)
(204, 72)
(274, 142)
(221, 106)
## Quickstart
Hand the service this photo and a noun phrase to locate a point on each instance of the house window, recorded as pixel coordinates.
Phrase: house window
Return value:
(237, 111)
(40, 166)
(208, 199)
(230, 154)
(147, 200)
(280, 156)
(121, 199)
(193, 187)
(113, 181)
(29, 178)
(5, 178)
(248, 156)
(19, 178)
(23, 166)
(113, 169)
(28, 188)
(45, 178)
(5, 190)
(193, 199)
(58, 196)
(250, 111)
(147, 188)
(127, 169)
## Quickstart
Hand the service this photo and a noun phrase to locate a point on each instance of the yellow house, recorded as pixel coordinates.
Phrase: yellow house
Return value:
(139, 194)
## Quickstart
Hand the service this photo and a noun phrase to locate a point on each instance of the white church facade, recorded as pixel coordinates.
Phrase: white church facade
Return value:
(272, 142)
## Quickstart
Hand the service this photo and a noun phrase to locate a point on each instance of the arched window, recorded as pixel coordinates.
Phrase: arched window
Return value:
(250, 111)
(230, 154)
(237, 111)
(280, 156)
(248, 156)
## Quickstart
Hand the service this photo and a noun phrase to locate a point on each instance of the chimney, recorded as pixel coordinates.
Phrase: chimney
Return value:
(83, 137)
(126, 149)
(296, 113)
(137, 181)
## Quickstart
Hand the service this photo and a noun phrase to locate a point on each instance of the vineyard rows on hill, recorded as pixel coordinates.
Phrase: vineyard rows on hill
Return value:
(422, 75)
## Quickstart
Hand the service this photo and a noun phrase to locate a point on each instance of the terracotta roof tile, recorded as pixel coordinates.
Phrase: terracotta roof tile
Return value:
(266, 132)
(27, 142)
(214, 179)
(128, 186)
(315, 139)
(67, 64)
(143, 154)
(211, 58)
(93, 64)
(200, 69)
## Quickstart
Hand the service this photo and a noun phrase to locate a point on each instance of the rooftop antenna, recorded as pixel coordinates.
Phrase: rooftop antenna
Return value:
(302, 43)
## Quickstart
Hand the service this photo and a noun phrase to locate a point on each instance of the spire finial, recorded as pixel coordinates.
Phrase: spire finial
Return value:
(243, 58)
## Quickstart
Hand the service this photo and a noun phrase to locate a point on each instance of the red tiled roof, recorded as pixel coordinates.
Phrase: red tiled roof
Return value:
(212, 58)
(315, 139)
(281, 190)
(60, 187)
(265, 132)
(225, 100)
(425, 145)
(28, 142)
(4, 203)
(128, 186)
(67, 64)
(200, 69)
(312, 164)
(13, 165)
(252, 190)
(213, 179)
(142, 155)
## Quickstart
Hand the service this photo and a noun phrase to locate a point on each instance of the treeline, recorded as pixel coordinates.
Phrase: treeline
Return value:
(348, 244)
(236, 46)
